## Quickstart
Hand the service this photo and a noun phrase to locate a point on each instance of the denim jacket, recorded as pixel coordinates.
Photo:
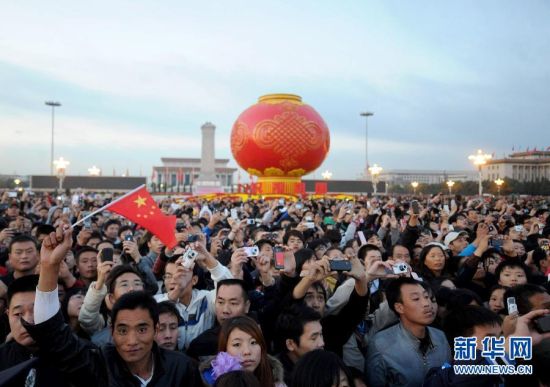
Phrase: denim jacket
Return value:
(394, 358)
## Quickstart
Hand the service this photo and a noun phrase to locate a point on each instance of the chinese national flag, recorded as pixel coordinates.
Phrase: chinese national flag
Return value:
(140, 207)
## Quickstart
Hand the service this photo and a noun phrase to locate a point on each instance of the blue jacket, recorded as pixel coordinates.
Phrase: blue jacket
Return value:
(394, 359)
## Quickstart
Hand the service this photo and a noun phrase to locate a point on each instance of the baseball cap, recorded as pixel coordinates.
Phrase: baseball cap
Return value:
(452, 236)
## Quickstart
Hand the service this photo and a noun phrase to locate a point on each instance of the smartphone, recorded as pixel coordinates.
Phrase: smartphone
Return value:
(415, 207)
(542, 324)
(66, 210)
(340, 265)
(518, 228)
(234, 214)
(250, 221)
(128, 237)
(107, 254)
(310, 225)
(192, 238)
(362, 237)
(279, 254)
(87, 224)
(282, 202)
(12, 194)
(512, 306)
(252, 251)
(446, 208)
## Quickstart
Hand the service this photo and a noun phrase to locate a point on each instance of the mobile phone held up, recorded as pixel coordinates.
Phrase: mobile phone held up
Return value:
(415, 207)
(279, 255)
(107, 254)
(340, 265)
(542, 324)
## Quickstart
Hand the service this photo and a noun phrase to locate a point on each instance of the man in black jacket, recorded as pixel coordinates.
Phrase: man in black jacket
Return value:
(38, 371)
(133, 360)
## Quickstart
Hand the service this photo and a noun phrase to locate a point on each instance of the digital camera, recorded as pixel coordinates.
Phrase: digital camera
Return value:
(400, 268)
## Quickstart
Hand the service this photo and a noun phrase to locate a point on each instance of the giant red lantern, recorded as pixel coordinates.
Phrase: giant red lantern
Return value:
(279, 139)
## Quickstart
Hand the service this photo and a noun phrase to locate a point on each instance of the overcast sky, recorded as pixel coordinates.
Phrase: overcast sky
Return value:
(137, 79)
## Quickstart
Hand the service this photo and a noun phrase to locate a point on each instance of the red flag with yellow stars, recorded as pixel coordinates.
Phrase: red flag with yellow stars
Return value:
(140, 207)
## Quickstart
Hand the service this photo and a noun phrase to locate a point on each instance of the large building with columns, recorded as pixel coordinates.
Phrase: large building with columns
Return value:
(522, 166)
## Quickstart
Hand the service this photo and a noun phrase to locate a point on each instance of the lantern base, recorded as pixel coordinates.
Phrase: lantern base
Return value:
(287, 185)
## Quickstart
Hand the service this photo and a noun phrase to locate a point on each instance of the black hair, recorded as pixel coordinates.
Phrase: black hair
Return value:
(21, 239)
(133, 301)
(239, 378)
(27, 283)
(116, 272)
(290, 324)
(302, 256)
(364, 250)
(422, 259)
(65, 303)
(293, 233)
(84, 249)
(511, 263)
(320, 368)
(233, 282)
(125, 228)
(456, 298)
(109, 223)
(522, 293)
(170, 307)
(333, 236)
(399, 245)
(461, 321)
(393, 290)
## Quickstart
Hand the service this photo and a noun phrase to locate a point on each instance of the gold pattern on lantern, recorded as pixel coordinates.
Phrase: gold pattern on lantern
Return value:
(239, 137)
(253, 171)
(290, 136)
(273, 172)
(297, 172)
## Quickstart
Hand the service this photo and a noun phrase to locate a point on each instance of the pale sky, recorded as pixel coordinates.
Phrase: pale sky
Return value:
(137, 79)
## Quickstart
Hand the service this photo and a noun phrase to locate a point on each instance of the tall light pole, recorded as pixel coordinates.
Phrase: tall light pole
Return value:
(414, 184)
(53, 105)
(366, 115)
(480, 159)
(450, 184)
(375, 171)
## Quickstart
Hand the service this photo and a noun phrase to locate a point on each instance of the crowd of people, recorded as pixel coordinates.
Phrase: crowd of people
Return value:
(365, 291)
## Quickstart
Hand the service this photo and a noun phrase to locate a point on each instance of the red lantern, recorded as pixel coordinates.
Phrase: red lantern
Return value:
(280, 139)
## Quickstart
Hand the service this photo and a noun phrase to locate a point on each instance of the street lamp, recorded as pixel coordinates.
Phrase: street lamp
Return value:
(94, 171)
(480, 159)
(53, 105)
(17, 181)
(375, 171)
(450, 184)
(326, 175)
(499, 182)
(415, 186)
(61, 167)
(366, 115)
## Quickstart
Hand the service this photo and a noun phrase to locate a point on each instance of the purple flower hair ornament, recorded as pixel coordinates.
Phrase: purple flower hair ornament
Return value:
(224, 363)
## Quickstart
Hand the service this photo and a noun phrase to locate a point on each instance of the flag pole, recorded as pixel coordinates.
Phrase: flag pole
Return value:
(108, 205)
